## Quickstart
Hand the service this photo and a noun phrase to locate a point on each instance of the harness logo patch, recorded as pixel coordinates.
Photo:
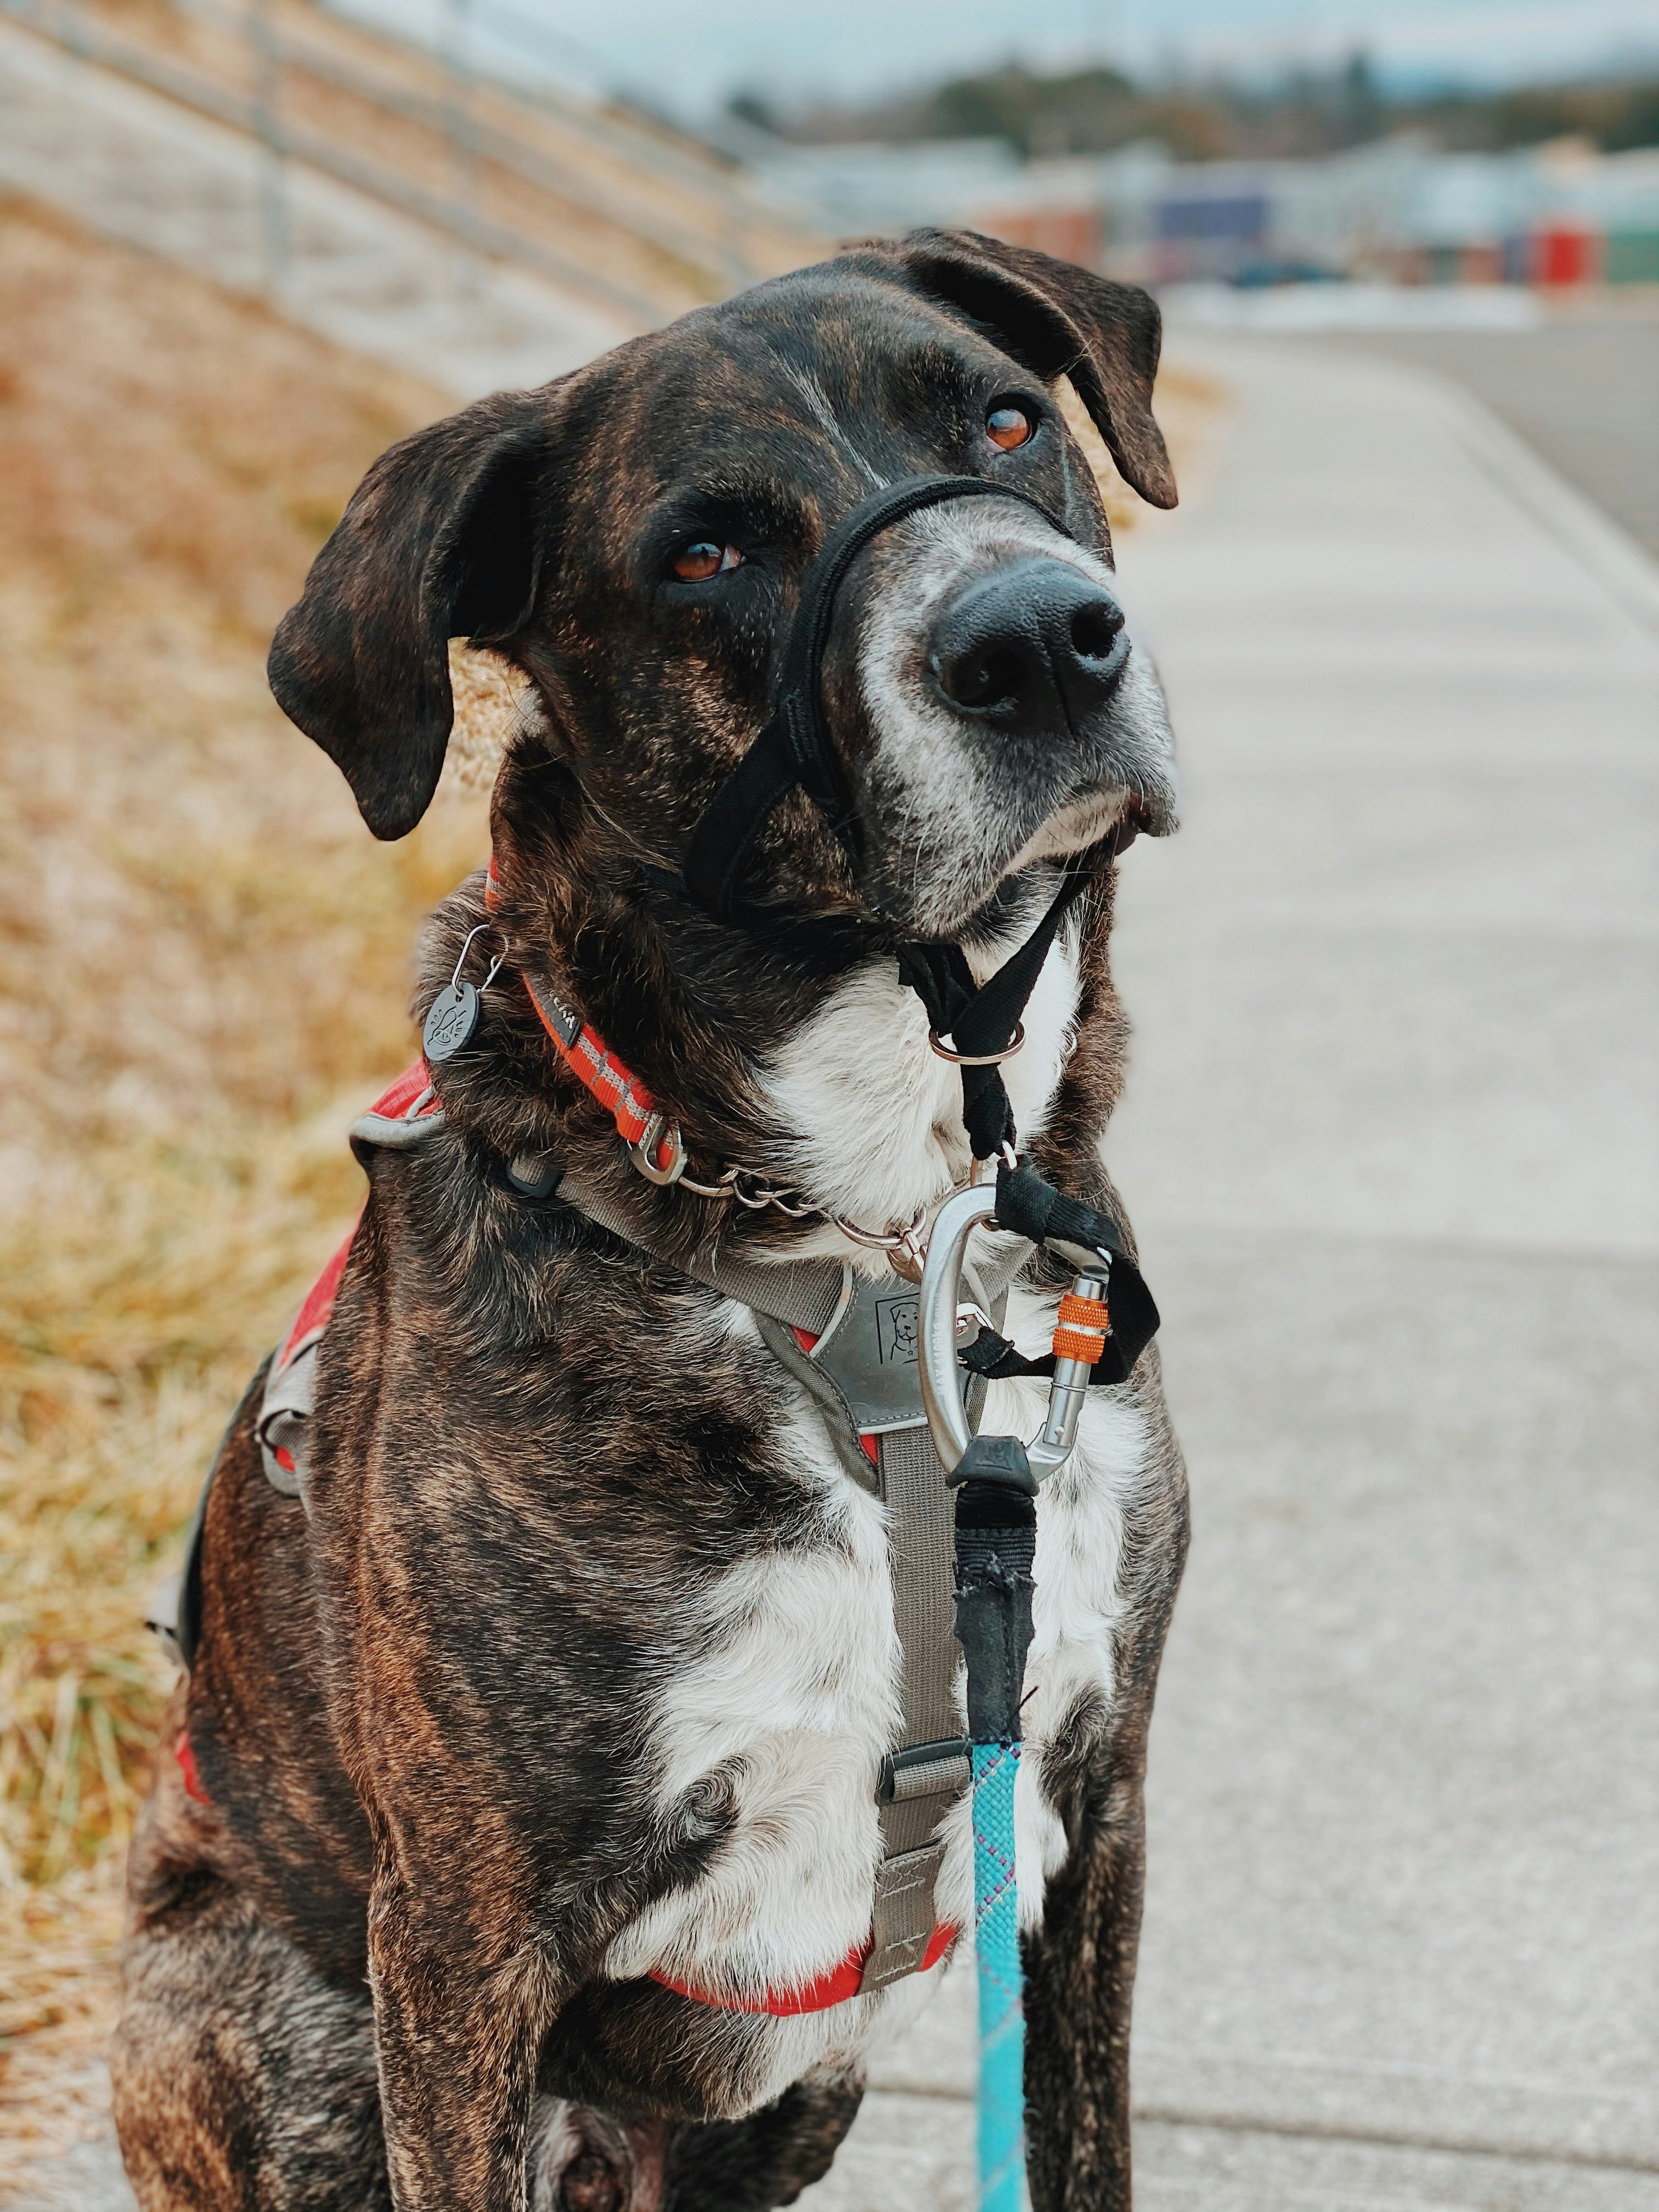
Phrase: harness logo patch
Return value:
(897, 1322)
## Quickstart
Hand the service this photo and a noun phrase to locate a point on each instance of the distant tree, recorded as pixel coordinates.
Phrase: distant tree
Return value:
(1616, 117)
(1086, 112)
(1364, 111)
(754, 109)
(1306, 112)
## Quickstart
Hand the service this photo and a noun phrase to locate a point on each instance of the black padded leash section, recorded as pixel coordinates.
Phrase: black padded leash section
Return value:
(981, 1018)
(793, 748)
(995, 1547)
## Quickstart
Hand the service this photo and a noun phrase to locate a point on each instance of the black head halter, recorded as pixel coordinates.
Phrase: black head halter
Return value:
(793, 749)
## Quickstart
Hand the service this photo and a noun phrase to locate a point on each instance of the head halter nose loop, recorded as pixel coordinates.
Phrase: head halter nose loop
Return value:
(794, 748)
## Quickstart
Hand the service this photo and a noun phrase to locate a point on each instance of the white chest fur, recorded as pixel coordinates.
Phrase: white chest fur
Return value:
(793, 1698)
(792, 1695)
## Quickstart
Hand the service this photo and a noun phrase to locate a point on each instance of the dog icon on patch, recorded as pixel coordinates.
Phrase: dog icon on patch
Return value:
(896, 1326)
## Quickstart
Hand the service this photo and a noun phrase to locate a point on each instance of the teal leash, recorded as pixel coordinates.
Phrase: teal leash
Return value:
(995, 1479)
(996, 1540)
(1001, 2002)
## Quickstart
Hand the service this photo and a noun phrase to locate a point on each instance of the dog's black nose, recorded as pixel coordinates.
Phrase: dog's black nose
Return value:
(1033, 648)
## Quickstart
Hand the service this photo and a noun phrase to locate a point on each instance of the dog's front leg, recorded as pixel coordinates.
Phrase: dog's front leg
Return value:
(461, 2015)
(1079, 1977)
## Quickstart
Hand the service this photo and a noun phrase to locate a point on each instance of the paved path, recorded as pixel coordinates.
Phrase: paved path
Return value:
(137, 166)
(1392, 1146)
(1584, 390)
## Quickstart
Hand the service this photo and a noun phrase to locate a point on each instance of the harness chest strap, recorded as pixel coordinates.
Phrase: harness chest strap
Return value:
(852, 1344)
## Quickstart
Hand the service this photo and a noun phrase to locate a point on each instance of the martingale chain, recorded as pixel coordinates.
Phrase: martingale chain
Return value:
(905, 1244)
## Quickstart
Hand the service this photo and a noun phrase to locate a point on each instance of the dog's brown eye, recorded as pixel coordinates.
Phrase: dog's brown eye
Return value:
(692, 564)
(1008, 426)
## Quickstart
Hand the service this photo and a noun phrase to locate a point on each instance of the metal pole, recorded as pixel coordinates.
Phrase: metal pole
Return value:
(71, 31)
(275, 244)
(461, 123)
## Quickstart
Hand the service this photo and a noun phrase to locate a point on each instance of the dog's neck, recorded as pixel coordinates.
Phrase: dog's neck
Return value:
(819, 1079)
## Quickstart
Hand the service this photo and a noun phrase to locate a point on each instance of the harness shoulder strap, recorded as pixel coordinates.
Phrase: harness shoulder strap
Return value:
(930, 1770)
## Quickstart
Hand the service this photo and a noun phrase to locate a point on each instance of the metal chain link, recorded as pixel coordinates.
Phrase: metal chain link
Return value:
(744, 1185)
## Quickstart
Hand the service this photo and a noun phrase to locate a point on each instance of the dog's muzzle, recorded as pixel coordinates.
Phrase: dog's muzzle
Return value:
(794, 748)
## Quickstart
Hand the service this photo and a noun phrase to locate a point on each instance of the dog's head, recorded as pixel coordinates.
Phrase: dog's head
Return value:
(635, 536)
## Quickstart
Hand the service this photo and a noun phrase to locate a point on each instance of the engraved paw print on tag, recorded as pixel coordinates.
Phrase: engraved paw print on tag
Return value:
(451, 1021)
(453, 1014)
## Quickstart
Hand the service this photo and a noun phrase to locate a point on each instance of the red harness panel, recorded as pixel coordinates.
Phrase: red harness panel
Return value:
(313, 1316)
(312, 1319)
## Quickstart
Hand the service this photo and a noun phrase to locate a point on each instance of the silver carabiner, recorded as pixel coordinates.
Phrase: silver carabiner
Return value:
(941, 1376)
(941, 1290)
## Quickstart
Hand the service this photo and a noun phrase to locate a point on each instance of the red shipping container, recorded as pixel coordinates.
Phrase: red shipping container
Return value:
(1563, 256)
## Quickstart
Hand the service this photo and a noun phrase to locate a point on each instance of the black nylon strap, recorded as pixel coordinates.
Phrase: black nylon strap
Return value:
(1032, 1208)
(981, 1018)
(794, 746)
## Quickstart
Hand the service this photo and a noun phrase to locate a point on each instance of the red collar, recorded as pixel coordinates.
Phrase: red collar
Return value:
(591, 1061)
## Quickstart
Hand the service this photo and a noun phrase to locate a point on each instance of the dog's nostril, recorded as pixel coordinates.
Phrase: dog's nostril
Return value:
(982, 679)
(1095, 629)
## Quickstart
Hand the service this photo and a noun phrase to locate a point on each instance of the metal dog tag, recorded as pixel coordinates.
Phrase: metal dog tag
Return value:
(452, 1018)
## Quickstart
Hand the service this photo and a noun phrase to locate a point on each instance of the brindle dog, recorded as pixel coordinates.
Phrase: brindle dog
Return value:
(577, 1666)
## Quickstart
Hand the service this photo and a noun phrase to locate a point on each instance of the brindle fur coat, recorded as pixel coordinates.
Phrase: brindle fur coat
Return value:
(580, 1661)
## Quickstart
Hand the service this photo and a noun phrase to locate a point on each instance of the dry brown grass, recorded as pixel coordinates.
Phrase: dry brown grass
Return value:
(202, 970)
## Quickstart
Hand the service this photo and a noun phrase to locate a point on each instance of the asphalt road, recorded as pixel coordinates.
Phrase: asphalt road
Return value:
(1585, 393)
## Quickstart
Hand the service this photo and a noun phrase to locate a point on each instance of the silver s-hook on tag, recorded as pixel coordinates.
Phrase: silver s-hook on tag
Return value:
(453, 1014)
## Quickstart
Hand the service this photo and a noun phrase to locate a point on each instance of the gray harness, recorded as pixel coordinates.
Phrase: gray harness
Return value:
(863, 1375)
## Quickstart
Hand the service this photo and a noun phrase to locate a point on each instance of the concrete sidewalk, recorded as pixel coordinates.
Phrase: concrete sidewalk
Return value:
(1391, 1144)
(1583, 387)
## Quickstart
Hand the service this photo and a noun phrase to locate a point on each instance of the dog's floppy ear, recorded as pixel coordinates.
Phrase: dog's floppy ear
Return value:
(1060, 321)
(437, 543)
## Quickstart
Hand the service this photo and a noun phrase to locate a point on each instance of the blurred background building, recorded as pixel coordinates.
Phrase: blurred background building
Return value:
(1404, 203)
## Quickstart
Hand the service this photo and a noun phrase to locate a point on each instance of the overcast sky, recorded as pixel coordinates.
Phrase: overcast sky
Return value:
(688, 55)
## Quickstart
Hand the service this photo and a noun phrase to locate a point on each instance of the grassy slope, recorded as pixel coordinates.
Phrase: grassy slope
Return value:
(202, 973)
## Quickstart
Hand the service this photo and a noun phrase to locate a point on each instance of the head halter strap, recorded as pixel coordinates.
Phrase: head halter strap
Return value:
(793, 747)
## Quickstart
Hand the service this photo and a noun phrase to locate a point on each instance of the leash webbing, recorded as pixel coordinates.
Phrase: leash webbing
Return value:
(1002, 1999)
(995, 1546)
